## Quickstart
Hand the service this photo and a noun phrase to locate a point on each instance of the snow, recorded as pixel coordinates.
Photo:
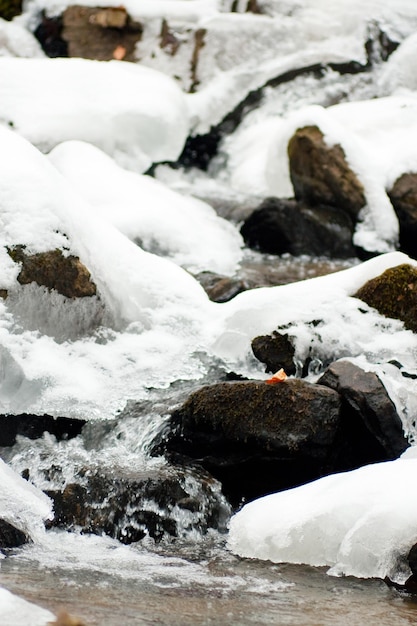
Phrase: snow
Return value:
(135, 114)
(139, 9)
(15, 611)
(161, 220)
(360, 523)
(16, 41)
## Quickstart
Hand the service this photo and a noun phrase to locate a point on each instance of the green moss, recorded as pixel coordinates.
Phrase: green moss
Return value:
(10, 8)
(393, 294)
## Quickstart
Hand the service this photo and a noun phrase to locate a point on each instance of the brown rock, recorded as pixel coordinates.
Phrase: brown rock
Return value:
(222, 288)
(393, 294)
(321, 175)
(65, 274)
(403, 196)
(257, 438)
(100, 33)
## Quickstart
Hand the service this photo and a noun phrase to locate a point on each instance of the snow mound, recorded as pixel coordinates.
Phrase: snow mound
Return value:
(184, 229)
(360, 523)
(135, 114)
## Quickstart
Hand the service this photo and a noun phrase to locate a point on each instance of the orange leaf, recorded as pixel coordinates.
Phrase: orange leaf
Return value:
(119, 53)
(278, 377)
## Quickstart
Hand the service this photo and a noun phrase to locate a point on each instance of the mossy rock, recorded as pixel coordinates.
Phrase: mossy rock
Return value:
(10, 8)
(393, 294)
(66, 274)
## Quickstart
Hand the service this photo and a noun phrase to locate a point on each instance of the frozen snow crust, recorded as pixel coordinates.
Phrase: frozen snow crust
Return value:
(360, 523)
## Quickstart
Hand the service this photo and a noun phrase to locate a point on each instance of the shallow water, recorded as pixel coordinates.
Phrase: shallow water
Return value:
(213, 587)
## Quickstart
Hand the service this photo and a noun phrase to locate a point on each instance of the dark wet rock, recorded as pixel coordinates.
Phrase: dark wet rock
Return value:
(403, 196)
(252, 6)
(100, 33)
(321, 175)
(276, 351)
(33, 427)
(393, 294)
(130, 506)
(365, 398)
(222, 288)
(10, 536)
(10, 8)
(257, 438)
(66, 274)
(286, 226)
(49, 34)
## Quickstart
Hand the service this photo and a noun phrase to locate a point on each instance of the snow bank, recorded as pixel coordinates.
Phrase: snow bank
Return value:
(15, 611)
(135, 114)
(186, 230)
(360, 523)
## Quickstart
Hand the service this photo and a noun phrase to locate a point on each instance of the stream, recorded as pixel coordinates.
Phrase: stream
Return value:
(191, 580)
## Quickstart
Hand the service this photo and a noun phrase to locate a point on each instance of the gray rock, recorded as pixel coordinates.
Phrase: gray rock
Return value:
(365, 396)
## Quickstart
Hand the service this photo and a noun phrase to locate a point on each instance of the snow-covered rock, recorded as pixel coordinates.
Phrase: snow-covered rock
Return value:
(135, 114)
(360, 523)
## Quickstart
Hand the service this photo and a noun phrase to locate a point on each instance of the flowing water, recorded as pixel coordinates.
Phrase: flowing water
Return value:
(207, 587)
(192, 580)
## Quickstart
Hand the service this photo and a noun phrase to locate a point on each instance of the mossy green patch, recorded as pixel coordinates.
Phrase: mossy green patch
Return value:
(393, 294)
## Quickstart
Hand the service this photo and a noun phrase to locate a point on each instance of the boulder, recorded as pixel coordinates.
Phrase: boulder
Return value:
(10, 8)
(276, 351)
(100, 33)
(285, 226)
(393, 294)
(257, 438)
(320, 174)
(403, 196)
(365, 402)
(52, 269)
(11, 537)
(131, 505)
